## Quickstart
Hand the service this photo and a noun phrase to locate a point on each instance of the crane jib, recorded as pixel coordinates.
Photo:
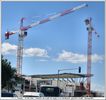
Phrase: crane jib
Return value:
(56, 16)
(66, 12)
(44, 20)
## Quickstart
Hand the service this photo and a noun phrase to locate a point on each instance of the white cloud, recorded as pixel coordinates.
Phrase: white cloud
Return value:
(96, 58)
(71, 57)
(36, 52)
(77, 58)
(8, 48)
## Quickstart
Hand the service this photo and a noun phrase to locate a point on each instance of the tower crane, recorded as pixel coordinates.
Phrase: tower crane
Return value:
(23, 33)
(90, 29)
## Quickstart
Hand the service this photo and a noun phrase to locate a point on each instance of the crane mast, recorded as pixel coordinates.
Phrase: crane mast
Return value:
(22, 33)
(20, 49)
(89, 58)
(90, 29)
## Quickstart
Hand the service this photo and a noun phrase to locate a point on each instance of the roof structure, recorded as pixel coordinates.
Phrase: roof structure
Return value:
(62, 75)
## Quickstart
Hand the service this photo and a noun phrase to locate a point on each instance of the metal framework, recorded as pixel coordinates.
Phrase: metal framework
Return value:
(20, 50)
(90, 29)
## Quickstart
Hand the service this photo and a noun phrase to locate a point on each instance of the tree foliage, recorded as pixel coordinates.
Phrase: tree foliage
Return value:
(7, 72)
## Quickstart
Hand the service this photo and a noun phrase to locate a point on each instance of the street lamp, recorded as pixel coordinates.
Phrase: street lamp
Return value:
(79, 70)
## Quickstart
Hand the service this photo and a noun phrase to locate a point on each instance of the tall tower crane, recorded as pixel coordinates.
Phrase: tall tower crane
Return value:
(90, 29)
(23, 32)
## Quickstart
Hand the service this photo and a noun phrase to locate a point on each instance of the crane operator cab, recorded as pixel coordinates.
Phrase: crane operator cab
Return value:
(23, 34)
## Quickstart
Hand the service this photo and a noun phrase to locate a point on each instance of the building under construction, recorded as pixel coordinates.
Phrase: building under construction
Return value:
(70, 84)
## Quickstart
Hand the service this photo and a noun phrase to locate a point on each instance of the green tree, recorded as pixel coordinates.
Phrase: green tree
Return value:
(7, 73)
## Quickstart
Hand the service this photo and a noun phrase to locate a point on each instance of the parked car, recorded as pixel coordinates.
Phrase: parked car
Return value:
(6, 94)
(33, 94)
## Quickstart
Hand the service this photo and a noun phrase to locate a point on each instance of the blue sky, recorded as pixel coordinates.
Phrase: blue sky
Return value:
(58, 44)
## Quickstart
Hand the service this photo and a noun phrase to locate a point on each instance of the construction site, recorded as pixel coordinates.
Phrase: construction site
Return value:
(63, 83)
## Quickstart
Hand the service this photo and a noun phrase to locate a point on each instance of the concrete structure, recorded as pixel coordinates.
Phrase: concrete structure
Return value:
(68, 82)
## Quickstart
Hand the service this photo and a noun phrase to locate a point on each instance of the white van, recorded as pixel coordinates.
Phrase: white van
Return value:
(33, 94)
